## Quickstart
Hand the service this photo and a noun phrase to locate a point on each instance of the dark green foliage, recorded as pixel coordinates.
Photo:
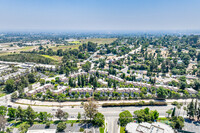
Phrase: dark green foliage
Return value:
(162, 93)
(99, 119)
(27, 58)
(144, 115)
(61, 126)
(177, 122)
(174, 112)
(134, 104)
(125, 117)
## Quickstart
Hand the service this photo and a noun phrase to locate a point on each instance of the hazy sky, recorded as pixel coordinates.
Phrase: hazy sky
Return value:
(99, 15)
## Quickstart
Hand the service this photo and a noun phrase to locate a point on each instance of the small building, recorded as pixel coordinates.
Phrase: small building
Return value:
(81, 90)
(145, 127)
(191, 90)
(101, 81)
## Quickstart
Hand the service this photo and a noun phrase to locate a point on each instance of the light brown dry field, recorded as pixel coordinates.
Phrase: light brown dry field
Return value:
(99, 40)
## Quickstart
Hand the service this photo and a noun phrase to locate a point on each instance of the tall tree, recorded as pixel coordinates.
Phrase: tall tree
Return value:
(12, 113)
(30, 114)
(125, 117)
(20, 113)
(173, 112)
(10, 85)
(191, 109)
(60, 114)
(90, 109)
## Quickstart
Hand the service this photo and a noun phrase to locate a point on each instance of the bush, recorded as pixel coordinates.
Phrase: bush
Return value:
(175, 103)
(141, 103)
(81, 129)
(61, 126)
(48, 124)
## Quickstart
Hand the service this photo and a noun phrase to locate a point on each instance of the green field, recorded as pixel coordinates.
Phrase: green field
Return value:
(75, 42)
(56, 58)
(63, 47)
(2, 94)
(99, 40)
(122, 129)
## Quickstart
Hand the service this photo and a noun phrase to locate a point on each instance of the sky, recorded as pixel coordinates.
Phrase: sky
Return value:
(99, 15)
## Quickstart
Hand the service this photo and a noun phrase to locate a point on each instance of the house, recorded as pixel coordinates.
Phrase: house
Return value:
(101, 81)
(104, 90)
(81, 90)
(191, 90)
(60, 89)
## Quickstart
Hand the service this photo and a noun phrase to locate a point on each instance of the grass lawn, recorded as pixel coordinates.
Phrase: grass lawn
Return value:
(56, 58)
(17, 124)
(63, 47)
(122, 129)
(101, 129)
(2, 94)
(99, 40)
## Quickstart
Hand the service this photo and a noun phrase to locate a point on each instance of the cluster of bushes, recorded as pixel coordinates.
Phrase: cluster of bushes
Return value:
(141, 103)
(27, 58)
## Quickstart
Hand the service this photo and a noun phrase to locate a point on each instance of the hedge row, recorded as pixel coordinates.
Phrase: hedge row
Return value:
(141, 103)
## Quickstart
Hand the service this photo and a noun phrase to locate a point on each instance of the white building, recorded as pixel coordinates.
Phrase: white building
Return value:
(145, 127)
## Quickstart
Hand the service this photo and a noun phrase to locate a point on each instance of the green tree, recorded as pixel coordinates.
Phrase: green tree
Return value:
(99, 119)
(10, 85)
(12, 113)
(20, 113)
(30, 114)
(125, 117)
(61, 127)
(86, 67)
(173, 112)
(31, 78)
(79, 116)
(24, 127)
(42, 81)
(162, 93)
(169, 112)
(42, 116)
(14, 96)
(3, 110)
(177, 122)
(191, 109)
(66, 115)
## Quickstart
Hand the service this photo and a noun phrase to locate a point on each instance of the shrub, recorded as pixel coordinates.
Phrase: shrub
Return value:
(61, 126)
(81, 129)
(141, 103)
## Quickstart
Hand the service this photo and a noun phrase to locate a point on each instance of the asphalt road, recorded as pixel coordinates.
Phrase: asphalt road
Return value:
(111, 113)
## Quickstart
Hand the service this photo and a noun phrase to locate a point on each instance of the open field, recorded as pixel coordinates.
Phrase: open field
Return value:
(2, 94)
(75, 42)
(56, 58)
(99, 40)
(63, 47)
(27, 48)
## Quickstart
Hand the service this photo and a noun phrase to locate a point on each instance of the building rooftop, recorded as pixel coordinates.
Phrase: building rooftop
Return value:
(145, 127)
